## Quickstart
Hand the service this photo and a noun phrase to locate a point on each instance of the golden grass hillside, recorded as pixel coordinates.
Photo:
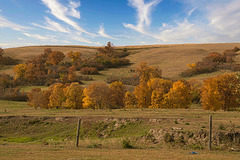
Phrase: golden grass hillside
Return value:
(172, 59)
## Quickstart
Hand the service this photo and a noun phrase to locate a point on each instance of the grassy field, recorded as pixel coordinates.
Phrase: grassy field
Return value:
(36, 152)
(28, 133)
(45, 133)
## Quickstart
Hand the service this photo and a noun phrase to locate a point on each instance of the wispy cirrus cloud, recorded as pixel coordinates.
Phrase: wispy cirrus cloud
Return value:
(218, 22)
(63, 13)
(37, 36)
(143, 14)
(102, 33)
(84, 40)
(5, 23)
(53, 26)
(225, 17)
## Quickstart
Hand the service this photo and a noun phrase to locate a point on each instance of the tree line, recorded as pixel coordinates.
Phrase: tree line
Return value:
(221, 92)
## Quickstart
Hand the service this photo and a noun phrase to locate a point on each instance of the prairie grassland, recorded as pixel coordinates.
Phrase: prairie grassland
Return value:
(26, 151)
(172, 59)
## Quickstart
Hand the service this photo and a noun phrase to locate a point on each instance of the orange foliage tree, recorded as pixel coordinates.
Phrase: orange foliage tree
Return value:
(38, 98)
(179, 95)
(221, 92)
(56, 57)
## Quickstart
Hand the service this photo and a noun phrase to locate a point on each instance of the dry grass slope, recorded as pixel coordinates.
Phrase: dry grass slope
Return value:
(172, 59)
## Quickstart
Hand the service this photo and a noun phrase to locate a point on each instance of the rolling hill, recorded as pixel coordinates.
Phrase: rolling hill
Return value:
(172, 59)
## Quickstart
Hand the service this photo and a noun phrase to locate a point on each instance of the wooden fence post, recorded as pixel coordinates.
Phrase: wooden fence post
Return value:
(78, 128)
(210, 132)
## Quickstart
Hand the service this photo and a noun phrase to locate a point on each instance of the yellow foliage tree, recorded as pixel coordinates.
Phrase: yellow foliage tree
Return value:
(118, 90)
(129, 100)
(74, 96)
(221, 92)
(143, 95)
(146, 73)
(98, 96)
(75, 57)
(57, 96)
(179, 95)
(158, 87)
(20, 71)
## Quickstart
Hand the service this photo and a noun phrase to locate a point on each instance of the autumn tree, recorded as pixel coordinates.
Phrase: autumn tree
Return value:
(221, 92)
(20, 71)
(118, 90)
(38, 98)
(143, 95)
(74, 96)
(56, 57)
(57, 97)
(75, 57)
(195, 90)
(5, 81)
(146, 73)
(129, 100)
(158, 87)
(142, 92)
(1, 52)
(98, 96)
(179, 95)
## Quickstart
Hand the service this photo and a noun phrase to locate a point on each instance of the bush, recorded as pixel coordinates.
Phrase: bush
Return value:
(126, 143)
(13, 94)
(89, 70)
(134, 80)
(168, 138)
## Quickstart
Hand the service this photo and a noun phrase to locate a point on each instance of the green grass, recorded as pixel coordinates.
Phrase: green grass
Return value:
(29, 88)
(19, 139)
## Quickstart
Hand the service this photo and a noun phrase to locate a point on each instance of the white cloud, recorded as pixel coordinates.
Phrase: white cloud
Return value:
(72, 9)
(4, 23)
(62, 12)
(102, 33)
(225, 17)
(143, 14)
(5, 44)
(80, 39)
(37, 36)
(53, 26)
(182, 32)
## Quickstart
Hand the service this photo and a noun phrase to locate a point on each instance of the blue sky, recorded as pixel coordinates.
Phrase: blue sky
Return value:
(123, 22)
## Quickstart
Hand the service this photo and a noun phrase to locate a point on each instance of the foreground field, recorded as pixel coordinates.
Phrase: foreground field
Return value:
(23, 151)
(27, 133)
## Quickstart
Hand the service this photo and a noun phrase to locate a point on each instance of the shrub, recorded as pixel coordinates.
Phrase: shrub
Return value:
(89, 70)
(168, 138)
(133, 80)
(126, 143)
(13, 94)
